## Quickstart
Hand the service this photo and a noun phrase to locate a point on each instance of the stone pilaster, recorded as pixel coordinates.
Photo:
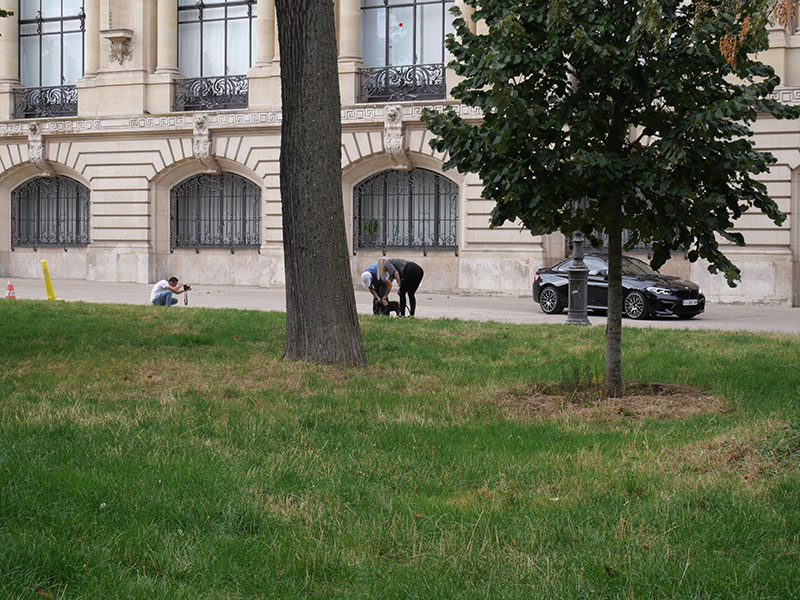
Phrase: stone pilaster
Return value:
(466, 13)
(167, 40)
(92, 38)
(9, 60)
(262, 76)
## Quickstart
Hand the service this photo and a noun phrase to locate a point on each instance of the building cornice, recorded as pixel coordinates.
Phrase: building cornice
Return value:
(352, 116)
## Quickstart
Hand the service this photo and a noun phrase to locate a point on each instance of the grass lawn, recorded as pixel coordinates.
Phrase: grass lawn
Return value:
(148, 453)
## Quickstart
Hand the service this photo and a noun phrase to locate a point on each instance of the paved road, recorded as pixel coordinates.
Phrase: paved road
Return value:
(429, 305)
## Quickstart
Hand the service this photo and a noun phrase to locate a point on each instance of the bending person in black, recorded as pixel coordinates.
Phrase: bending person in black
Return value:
(408, 276)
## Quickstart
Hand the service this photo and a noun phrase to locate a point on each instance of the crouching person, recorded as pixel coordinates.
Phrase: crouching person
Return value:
(163, 290)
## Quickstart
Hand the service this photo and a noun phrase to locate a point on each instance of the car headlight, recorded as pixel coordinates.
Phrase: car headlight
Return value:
(659, 291)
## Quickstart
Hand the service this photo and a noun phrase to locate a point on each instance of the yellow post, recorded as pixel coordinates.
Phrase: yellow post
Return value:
(48, 284)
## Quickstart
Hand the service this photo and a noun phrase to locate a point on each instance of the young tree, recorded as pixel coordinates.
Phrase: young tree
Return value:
(605, 115)
(321, 319)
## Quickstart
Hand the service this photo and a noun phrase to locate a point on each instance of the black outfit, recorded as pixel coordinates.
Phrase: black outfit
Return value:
(377, 306)
(411, 275)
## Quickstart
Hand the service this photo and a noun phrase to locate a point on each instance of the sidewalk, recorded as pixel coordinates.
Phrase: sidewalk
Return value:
(429, 305)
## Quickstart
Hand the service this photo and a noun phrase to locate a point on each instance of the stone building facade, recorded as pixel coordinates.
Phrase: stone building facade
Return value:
(141, 139)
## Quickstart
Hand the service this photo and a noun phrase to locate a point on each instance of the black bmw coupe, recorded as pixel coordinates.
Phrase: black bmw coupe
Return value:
(645, 292)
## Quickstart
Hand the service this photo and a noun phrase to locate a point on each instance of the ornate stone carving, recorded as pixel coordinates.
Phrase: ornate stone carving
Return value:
(202, 145)
(120, 44)
(37, 152)
(394, 141)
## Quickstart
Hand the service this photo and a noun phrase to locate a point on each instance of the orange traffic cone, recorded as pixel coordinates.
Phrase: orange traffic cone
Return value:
(10, 293)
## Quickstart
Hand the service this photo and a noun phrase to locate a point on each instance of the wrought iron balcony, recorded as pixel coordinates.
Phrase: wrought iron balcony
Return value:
(43, 102)
(402, 83)
(211, 93)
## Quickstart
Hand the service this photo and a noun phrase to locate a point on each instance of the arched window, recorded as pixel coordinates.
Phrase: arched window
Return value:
(215, 211)
(402, 44)
(406, 209)
(50, 57)
(50, 211)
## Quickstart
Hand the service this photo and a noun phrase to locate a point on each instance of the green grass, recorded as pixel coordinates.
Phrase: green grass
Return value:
(152, 453)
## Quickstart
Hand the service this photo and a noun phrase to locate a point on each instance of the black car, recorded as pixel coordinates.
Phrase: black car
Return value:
(645, 292)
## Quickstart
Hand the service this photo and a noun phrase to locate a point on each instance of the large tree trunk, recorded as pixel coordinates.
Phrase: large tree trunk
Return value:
(321, 319)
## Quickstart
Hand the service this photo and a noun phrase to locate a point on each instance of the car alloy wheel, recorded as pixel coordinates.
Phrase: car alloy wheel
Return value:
(549, 300)
(635, 305)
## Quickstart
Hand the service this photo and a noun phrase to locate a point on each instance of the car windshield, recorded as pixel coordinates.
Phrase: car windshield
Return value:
(633, 267)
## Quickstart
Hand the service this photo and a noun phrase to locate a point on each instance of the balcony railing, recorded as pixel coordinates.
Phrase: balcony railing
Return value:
(211, 93)
(44, 102)
(402, 83)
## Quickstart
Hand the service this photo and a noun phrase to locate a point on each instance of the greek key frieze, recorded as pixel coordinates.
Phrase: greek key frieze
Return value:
(787, 96)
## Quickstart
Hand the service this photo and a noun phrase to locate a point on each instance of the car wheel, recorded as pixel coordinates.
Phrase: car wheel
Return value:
(549, 300)
(635, 305)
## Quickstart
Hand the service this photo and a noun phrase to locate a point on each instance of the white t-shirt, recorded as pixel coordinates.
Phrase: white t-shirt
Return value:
(158, 288)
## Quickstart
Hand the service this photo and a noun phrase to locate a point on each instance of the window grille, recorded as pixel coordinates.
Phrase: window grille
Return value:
(215, 211)
(406, 209)
(50, 211)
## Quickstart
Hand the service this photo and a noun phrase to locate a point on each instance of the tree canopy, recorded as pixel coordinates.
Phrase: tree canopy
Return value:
(648, 101)
(611, 115)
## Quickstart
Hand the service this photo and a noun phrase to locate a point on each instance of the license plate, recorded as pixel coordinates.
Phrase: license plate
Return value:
(690, 302)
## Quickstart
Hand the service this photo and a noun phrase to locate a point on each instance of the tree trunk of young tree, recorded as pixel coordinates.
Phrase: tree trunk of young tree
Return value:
(321, 319)
(612, 380)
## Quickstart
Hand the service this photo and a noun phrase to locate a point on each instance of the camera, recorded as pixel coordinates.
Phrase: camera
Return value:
(186, 287)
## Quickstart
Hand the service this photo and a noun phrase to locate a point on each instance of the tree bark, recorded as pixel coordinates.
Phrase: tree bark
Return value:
(612, 380)
(321, 319)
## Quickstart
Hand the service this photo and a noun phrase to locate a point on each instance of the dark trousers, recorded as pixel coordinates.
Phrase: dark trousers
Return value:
(409, 283)
(377, 306)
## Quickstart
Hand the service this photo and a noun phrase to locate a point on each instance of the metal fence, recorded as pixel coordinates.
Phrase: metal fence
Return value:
(45, 102)
(402, 83)
(211, 93)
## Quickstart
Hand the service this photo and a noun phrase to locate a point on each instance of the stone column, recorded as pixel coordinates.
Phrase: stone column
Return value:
(167, 41)
(91, 47)
(265, 27)
(349, 30)
(9, 45)
(349, 37)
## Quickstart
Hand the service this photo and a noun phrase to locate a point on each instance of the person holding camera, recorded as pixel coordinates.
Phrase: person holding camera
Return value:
(163, 290)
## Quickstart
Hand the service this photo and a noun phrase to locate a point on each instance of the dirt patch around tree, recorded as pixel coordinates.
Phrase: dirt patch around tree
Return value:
(638, 401)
